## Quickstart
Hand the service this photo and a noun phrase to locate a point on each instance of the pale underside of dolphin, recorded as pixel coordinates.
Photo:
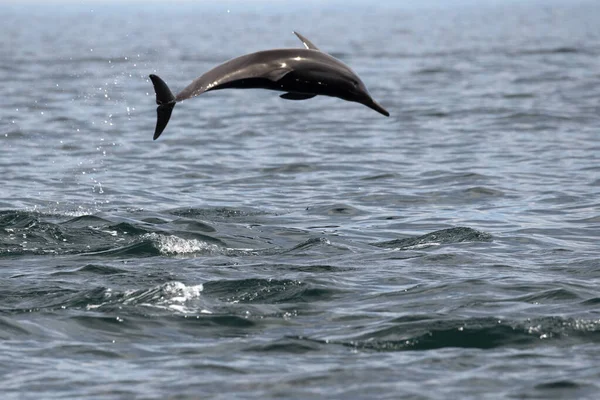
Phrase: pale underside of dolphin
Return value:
(301, 73)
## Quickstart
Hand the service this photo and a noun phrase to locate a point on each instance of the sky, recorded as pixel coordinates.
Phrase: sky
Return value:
(25, 5)
(399, 2)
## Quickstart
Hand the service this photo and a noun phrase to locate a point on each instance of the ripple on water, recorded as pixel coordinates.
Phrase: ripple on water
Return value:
(480, 333)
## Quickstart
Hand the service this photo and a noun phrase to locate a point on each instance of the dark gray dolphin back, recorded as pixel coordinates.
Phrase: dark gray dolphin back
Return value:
(249, 66)
(271, 65)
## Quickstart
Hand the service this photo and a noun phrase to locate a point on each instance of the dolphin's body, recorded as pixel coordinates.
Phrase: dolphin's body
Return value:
(302, 73)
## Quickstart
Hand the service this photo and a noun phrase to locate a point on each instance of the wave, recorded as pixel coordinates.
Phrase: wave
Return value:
(226, 298)
(478, 333)
(92, 269)
(266, 291)
(174, 296)
(216, 213)
(443, 236)
(550, 50)
(334, 210)
(34, 233)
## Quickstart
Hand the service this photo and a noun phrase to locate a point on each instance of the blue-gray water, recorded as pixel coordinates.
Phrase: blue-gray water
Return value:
(264, 248)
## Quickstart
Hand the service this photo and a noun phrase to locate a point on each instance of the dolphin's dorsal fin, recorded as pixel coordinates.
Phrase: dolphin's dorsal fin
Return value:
(307, 43)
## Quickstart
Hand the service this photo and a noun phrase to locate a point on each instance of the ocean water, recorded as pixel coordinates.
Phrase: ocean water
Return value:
(264, 248)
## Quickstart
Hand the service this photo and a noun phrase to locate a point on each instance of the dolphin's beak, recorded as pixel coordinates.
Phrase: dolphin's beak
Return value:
(376, 106)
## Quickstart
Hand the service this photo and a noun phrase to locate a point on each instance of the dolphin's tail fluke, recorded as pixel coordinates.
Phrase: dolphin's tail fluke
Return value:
(165, 101)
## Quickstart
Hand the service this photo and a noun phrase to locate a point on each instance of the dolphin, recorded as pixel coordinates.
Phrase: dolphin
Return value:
(302, 73)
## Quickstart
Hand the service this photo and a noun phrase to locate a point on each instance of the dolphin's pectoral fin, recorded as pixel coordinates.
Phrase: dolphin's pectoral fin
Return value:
(277, 74)
(307, 43)
(297, 96)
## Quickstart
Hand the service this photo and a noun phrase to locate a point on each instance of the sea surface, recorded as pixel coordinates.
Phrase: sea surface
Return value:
(264, 248)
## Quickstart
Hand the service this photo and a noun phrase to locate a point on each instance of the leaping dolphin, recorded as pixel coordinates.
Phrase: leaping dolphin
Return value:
(301, 73)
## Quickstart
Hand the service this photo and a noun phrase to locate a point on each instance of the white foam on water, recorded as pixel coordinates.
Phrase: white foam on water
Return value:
(80, 211)
(418, 246)
(181, 292)
(171, 244)
(174, 296)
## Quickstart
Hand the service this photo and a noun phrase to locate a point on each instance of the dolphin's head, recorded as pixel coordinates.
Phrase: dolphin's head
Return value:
(353, 89)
